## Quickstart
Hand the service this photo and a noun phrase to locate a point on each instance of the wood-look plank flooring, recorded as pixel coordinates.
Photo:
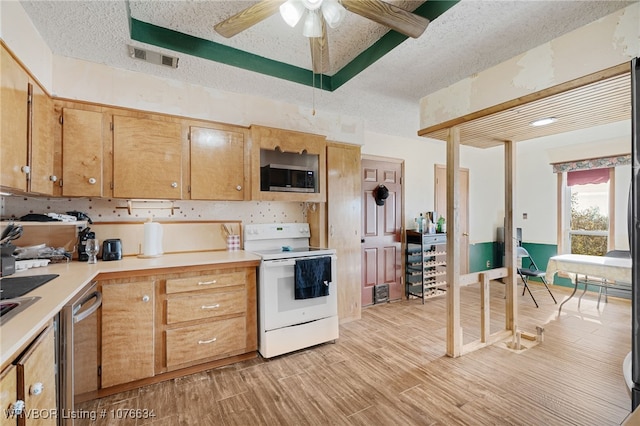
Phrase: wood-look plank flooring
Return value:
(390, 368)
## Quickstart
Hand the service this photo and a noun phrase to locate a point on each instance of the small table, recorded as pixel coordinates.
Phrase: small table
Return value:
(608, 268)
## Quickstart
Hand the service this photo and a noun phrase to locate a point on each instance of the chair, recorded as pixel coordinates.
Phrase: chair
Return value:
(528, 270)
(620, 254)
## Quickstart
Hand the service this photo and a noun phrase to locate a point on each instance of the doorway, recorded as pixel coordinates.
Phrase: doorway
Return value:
(440, 205)
(381, 228)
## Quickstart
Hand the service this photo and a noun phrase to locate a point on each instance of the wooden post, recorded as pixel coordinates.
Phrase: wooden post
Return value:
(510, 247)
(485, 308)
(561, 212)
(454, 330)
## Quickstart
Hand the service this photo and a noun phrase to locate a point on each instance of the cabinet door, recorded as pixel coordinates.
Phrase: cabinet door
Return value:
(217, 164)
(13, 123)
(147, 158)
(344, 213)
(267, 141)
(41, 152)
(37, 378)
(8, 395)
(82, 155)
(127, 332)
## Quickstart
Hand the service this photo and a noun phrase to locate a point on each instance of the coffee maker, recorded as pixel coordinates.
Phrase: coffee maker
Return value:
(83, 236)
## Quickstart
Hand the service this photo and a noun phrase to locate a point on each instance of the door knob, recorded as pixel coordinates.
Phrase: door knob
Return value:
(465, 234)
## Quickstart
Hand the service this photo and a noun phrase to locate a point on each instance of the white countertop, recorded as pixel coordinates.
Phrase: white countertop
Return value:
(74, 276)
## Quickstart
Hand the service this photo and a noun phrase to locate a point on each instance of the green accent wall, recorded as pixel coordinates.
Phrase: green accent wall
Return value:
(480, 253)
(179, 42)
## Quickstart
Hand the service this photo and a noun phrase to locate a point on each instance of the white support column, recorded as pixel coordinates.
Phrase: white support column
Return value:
(454, 329)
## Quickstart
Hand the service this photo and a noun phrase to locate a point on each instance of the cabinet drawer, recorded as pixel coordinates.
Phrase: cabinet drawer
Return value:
(205, 282)
(188, 344)
(207, 305)
(434, 239)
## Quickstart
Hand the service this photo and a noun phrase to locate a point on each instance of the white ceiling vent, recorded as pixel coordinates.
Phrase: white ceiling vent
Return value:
(153, 57)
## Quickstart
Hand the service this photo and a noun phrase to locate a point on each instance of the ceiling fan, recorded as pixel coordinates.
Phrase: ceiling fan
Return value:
(319, 14)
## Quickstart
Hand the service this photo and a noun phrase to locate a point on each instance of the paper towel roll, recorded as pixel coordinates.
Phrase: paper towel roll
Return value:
(152, 239)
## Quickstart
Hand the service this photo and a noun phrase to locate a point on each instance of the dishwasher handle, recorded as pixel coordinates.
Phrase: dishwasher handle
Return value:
(98, 302)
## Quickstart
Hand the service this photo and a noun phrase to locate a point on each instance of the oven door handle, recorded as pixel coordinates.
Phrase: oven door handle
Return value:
(98, 302)
(288, 262)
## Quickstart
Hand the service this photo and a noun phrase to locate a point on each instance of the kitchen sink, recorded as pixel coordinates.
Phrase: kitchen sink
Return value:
(11, 307)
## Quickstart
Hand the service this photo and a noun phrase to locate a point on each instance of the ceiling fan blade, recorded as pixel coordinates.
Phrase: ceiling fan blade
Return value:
(392, 16)
(247, 18)
(320, 51)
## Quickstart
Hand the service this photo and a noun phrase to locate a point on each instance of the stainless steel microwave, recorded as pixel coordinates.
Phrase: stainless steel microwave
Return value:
(277, 177)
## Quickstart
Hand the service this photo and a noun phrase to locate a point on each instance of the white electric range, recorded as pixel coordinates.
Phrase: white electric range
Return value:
(287, 324)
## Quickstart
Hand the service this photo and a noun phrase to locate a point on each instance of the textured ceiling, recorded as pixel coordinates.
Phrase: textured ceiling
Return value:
(471, 36)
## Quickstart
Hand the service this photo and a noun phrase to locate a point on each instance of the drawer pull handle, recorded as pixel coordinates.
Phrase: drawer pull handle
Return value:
(207, 282)
(217, 305)
(204, 342)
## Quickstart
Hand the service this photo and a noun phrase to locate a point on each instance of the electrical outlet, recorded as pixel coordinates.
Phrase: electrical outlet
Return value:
(488, 264)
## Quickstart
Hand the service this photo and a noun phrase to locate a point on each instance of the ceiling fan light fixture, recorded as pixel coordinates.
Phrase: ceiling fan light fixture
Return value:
(312, 25)
(333, 12)
(312, 4)
(292, 11)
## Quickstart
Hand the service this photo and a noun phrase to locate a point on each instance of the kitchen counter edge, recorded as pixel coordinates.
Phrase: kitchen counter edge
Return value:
(16, 334)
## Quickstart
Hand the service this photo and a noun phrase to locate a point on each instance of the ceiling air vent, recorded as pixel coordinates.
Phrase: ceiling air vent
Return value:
(153, 57)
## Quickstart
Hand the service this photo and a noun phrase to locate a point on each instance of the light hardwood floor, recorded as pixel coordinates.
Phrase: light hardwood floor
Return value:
(390, 368)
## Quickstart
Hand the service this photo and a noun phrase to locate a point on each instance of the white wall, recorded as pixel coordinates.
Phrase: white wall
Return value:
(18, 32)
(536, 183)
(607, 42)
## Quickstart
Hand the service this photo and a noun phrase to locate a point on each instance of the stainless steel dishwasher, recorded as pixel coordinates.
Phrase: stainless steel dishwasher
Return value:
(78, 351)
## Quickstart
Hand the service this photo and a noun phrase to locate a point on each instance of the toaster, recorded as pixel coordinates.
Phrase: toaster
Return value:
(112, 249)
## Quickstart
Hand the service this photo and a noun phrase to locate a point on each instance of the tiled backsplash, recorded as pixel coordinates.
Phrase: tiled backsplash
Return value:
(112, 210)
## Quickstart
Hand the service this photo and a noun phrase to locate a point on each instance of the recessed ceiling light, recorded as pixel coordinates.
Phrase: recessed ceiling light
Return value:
(543, 121)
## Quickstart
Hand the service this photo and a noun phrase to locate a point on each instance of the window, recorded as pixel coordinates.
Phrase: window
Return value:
(587, 203)
(588, 198)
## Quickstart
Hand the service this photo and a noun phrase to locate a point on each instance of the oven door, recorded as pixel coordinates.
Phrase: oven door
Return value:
(277, 304)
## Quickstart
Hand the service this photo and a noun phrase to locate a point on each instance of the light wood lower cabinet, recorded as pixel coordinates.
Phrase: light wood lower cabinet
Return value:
(209, 317)
(154, 326)
(8, 395)
(127, 332)
(36, 374)
(201, 341)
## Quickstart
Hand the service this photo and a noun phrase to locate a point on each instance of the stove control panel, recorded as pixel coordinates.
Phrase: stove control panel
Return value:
(273, 231)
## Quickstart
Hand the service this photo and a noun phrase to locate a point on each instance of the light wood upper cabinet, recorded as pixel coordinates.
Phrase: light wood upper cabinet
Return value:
(26, 123)
(42, 122)
(147, 158)
(290, 142)
(218, 166)
(127, 332)
(13, 123)
(82, 153)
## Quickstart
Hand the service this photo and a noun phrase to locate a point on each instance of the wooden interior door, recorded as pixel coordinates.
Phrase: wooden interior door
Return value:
(381, 229)
(440, 206)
